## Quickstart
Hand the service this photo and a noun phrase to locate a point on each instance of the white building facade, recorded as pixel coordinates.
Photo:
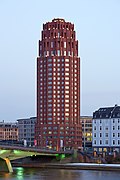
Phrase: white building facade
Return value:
(106, 129)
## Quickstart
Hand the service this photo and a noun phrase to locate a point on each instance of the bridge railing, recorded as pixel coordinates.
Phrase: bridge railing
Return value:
(22, 147)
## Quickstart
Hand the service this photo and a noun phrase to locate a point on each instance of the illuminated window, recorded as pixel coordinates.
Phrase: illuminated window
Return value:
(66, 69)
(66, 64)
(66, 105)
(66, 91)
(64, 53)
(66, 60)
(66, 110)
(64, 44)
(66, 100)
(66, 114)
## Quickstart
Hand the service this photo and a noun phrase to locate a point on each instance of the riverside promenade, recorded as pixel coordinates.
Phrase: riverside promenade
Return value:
(74, 166)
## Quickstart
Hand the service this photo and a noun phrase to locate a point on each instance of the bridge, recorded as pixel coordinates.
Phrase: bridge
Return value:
(12, 152)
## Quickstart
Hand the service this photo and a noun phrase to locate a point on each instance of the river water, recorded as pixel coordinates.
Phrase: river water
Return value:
(58, 174)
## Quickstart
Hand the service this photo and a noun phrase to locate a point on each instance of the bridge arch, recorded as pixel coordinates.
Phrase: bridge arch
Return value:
(5, 165)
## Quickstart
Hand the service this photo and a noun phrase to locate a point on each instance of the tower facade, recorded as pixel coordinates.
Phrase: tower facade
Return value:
(58, 87)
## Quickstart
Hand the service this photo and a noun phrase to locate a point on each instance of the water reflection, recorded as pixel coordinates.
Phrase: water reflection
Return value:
(20, 173)
(56, 174)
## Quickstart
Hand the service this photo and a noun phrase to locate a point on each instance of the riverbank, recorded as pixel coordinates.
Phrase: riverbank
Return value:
(73, 166)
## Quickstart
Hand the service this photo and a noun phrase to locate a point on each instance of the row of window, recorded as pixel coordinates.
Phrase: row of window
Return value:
(58, 105)
(59, 24)
(57, 65)
(57, 60)
(107, 128)
(114, 142)
(56, 100)
(106, 135)
(61, 128)
(57, 96)
(59, 114)
(58, 87)
(57, 78)
(58, 82)
(57, 44)
(102, 121)
(58, 53)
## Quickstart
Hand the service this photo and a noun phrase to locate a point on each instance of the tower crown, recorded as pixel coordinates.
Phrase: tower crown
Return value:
(58, 19)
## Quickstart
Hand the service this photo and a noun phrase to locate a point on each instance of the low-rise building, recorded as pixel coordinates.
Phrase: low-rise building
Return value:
(106, 129)
(86, 131)
(8, 132)
(26, 131)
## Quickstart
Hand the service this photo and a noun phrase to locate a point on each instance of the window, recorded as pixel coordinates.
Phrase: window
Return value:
(113, 127)
(106, 141)
(67, 69)
(49, 60)
(50, 82)
(66, 110)
(100, 141)
(66, 91)
(49, 78)
(68, 53)
(66, 100)
(66, 82)
(66, 65)
(58, 32)
(113, 134)
(49, 65)
(49, 87)
(58, 52)
(94, 134)
(113, 142)
(49, 69)
(64, 53)
(106, 134)
(66, 114)
(49, 74)
(66, 60)
(52, 44)
(66, 78)
(106, 128)
(64, 44)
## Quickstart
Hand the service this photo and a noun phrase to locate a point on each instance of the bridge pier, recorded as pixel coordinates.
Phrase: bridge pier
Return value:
(5, 165)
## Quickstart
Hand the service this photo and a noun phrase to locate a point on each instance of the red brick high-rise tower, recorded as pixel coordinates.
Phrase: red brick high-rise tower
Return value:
(58, 87)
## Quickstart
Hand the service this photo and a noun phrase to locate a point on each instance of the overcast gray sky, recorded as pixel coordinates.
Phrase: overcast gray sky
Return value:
(97, 24)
